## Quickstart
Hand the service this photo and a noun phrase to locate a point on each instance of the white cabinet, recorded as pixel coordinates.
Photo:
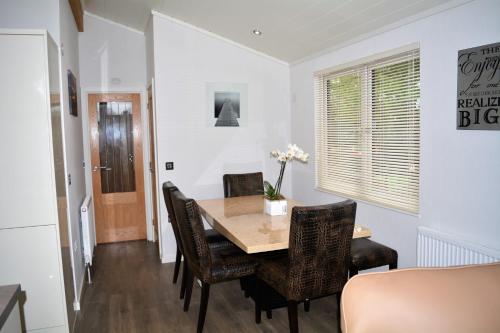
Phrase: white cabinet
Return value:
(33, 191)
(28, 259)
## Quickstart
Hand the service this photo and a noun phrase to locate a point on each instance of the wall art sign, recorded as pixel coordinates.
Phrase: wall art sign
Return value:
(478, 88)
(227, 105)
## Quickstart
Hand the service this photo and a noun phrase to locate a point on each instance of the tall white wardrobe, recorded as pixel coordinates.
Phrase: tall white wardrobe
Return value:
(34, 249)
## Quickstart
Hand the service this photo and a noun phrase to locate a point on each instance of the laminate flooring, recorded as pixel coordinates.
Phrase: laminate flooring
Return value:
(133, 292)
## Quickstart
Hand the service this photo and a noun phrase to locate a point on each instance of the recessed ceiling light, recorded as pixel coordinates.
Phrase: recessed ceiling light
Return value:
(257, 32)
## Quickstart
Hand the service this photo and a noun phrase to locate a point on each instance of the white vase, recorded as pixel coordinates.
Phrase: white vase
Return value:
(275, 207)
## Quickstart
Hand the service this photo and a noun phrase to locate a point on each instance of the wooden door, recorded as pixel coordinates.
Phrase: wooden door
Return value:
(117, 167)
(152, 163)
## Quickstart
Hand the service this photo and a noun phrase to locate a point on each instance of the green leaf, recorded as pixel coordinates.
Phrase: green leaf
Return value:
(270, 191)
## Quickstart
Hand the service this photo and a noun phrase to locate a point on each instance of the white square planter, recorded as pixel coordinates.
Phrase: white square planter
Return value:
(276, 207)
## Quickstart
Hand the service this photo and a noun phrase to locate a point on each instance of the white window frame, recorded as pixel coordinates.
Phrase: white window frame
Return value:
(321, 99)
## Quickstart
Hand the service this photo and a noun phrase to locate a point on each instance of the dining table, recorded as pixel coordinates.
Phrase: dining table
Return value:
(244, 222)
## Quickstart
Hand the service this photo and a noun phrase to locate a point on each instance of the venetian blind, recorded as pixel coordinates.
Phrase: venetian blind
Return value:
(368, 132)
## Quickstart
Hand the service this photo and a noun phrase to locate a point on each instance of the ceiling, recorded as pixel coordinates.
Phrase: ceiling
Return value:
(291, 29)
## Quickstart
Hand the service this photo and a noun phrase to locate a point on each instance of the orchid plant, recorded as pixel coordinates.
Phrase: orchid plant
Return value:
(293, 153)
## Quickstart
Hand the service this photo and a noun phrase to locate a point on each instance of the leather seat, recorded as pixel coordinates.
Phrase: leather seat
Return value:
(366, 254)
(446, 300)
(229, 263)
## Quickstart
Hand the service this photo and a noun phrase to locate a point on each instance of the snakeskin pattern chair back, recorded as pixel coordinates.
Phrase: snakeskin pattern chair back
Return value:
(168, 188)
(192, 234)
(237, 185)
(319, 249)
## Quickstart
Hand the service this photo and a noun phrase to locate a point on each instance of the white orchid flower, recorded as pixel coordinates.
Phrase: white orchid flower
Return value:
(293, 152)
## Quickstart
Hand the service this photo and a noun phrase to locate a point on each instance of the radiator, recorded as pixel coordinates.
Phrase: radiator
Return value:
(88, 230)
(438, 249)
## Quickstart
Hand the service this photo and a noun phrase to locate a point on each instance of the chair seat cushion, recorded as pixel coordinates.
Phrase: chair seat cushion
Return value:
(367, 254)
(229, 263)
(215, 239)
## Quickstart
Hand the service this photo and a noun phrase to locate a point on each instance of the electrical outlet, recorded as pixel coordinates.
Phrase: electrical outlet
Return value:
(169, 165)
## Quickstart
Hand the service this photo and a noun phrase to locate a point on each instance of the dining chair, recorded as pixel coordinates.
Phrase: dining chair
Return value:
(366, 254)
(213, 237)
(317, 261)
(237, 185)
(208, 264)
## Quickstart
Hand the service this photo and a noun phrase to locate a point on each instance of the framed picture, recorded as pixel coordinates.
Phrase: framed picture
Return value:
(72, 94)
(227, 105)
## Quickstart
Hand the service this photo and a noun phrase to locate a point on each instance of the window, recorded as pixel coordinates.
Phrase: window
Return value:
(368, 132)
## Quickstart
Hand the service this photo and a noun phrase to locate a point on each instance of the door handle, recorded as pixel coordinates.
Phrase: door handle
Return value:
(98, 167)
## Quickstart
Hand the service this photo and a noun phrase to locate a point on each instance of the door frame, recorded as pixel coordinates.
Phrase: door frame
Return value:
(159, 194)
(85, 91)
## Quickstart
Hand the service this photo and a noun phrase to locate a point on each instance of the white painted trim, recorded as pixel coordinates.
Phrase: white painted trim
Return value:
(24, 32)
(47, 39)
(224, 39)
(430, 12)
(113, 22)
(85, 91)
(70, 235)
(156, 180)
(150, 17)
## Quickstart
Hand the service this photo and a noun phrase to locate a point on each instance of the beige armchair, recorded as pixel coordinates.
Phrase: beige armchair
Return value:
(445, 300)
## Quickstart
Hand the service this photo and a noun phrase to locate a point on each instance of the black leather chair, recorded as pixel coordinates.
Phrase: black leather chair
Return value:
(317, 261)
(209, 264)
(237, 185)
(366, 254)
(213, 238)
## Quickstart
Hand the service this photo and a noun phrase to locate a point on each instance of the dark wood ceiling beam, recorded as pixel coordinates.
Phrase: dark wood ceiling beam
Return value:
(76, 8)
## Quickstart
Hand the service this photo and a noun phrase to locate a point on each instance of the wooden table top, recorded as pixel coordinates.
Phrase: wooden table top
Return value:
(243, 221)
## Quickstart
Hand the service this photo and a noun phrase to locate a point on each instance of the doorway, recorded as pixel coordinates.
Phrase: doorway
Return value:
(117, 166)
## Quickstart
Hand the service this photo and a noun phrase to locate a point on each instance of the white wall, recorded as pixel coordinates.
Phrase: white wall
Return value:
(73, 140)
(31, 14)
(185, 60)
(460, 191)
(150, 64)
(109, 50)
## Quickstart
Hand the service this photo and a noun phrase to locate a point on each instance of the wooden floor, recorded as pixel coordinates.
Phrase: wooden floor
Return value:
(133, 292)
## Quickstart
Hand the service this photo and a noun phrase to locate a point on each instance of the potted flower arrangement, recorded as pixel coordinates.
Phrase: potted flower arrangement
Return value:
(275, 203)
